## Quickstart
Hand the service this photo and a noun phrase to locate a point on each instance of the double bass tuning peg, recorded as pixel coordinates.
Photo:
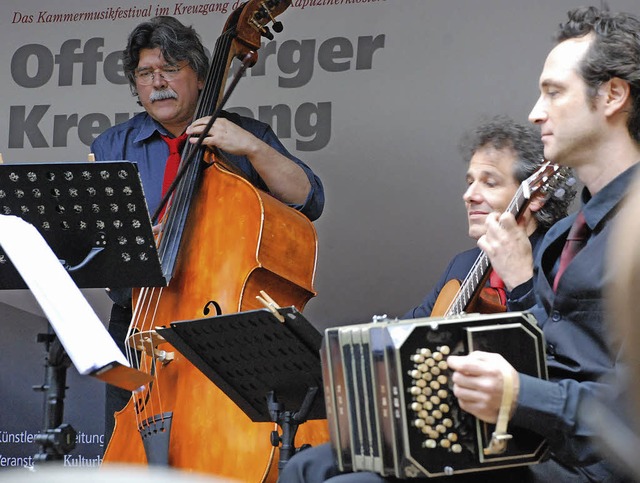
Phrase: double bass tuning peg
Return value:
(276, 25)
(265, 32)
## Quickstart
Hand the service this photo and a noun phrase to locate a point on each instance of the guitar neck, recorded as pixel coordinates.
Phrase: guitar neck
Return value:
(474, 279)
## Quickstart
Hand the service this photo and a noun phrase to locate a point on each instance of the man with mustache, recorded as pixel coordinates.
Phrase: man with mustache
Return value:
(166, 66)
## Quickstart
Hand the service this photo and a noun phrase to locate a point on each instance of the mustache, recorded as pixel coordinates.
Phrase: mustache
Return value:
(167, 93)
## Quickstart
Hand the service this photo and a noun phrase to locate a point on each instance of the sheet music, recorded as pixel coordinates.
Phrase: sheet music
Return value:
(82, 334)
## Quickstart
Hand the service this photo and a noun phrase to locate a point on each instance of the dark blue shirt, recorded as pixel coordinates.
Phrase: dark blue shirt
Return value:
(138, 139)
(573, 321)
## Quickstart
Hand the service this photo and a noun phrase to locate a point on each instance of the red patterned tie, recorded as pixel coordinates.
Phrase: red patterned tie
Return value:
(173, 161)
(172, 164)
(496, 282)
(575, 241)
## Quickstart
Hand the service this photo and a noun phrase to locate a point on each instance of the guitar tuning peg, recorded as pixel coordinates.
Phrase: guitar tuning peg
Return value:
(277, 26)
(559, 193)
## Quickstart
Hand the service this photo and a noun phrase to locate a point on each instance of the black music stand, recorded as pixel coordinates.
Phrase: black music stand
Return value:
(94, 218)
(266, 367)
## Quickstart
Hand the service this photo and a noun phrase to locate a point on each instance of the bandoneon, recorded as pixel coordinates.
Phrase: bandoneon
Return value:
(389, 398)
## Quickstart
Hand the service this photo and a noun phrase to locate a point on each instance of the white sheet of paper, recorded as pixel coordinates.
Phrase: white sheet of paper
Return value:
(86, 340)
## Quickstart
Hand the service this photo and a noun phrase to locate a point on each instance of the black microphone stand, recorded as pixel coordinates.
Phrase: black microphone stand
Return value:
(57, 439)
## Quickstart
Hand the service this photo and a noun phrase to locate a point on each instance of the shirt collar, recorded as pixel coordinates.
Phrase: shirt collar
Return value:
(597, 208)
(148, 128)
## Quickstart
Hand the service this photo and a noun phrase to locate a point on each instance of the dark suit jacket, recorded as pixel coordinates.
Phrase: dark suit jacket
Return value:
(458, 268)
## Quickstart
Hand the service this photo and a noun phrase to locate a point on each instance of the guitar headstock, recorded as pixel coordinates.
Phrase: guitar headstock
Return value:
(548, 179)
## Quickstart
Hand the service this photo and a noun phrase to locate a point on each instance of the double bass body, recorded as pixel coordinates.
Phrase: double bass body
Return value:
(237, 242)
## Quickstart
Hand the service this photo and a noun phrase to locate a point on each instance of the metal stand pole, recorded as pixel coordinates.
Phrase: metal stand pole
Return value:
(57, 438)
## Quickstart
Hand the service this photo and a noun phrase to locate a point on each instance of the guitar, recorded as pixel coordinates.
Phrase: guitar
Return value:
(455, 297)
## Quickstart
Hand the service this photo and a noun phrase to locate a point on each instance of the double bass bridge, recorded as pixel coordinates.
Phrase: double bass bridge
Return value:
(147, 342)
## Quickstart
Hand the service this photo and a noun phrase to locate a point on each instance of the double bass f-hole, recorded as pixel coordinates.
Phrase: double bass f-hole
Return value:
(212, 304)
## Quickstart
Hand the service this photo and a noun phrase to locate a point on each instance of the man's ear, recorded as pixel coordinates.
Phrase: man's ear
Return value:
(617, 93)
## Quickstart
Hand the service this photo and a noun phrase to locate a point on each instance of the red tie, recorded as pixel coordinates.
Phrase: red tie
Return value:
(172, 164)
(575, 241)
(173, 161)
(496, 282)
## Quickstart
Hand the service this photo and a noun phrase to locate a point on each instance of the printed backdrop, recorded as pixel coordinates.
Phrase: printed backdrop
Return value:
(373, 94)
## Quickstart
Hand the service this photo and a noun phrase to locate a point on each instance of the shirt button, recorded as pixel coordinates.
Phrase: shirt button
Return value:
(555, 316)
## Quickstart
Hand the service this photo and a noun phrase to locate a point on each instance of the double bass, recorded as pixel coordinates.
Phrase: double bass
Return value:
(223, 242)
(471, 295)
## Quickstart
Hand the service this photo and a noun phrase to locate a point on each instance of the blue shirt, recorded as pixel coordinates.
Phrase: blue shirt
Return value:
(138, 139)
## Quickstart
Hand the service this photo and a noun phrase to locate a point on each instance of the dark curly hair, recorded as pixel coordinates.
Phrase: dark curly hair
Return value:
(501, 132)
(176, 41)
(614, 52)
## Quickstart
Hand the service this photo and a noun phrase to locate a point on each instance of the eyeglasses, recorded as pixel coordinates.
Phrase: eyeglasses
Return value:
(145, 77)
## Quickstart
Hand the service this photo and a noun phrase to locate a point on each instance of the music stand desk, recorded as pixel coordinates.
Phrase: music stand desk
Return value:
(269, 369)
(250, 354)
